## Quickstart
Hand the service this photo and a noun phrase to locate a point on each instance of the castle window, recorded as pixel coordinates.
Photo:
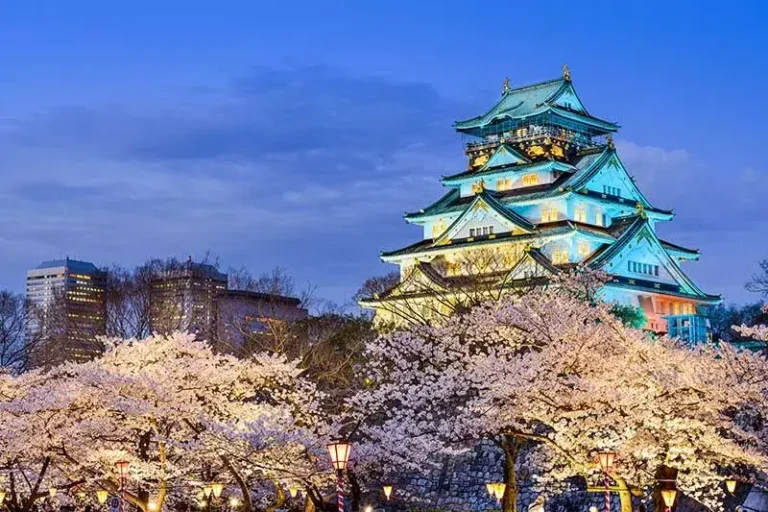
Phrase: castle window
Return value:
(504, 184)
(549, 214)
(560, 256)
(580, 214)
(481, 231)
(611, 191)
(643, 268)
(530, 179)
(599, 218)
(583, 248)
(438, 228)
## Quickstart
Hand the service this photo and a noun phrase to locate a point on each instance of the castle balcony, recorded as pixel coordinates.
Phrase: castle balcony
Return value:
(536, 133)
(692, 329)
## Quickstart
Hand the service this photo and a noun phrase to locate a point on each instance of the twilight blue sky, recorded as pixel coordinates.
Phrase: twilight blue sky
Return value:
(297, 133)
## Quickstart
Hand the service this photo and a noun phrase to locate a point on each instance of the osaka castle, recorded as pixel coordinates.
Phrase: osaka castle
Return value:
(544, 191)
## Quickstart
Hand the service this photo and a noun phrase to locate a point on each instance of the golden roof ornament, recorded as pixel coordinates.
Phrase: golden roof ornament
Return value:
(506, 87)
(609, 141)
(566, 72)
(640, 210)
(478, 186)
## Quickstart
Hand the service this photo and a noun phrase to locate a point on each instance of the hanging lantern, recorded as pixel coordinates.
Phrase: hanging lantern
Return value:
(2, 497)
(669, 495)
(294, 490)
(52, 492)
(207, 490)
(387, 491)
(339, 452)
(730, 484)
(217, 489)
(490, 488)
(102, 496)
(234, 502)
(606, 461)
(498, 490)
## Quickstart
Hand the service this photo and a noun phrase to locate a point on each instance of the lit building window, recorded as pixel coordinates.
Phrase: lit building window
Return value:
(530, 179)
(504, 184)
(599, 219)
(643, 268)
(438, 228)
(611, 191)
(580, 214)
(549, 214)
(481, 231)
(560, 256)
(583, 248)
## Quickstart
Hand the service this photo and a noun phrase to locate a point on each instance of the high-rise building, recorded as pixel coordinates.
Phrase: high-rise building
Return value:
(183, 298)
(544, 190)
(67, 311)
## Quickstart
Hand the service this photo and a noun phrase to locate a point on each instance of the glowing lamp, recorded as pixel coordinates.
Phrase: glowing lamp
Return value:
(387, 491)
(490, 488)
(217, 488)
(339, 452)
(293, 490)
(2, 496)
(669, 495)
(152, 506)
(234, 502)
(498, 490)
(207, 490)
(730, 484)
(52, 492)
(368, 508)
(102, 496)
(606, 461)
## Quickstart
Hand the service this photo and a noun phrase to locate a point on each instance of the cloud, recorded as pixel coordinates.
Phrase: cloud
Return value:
(277, 159)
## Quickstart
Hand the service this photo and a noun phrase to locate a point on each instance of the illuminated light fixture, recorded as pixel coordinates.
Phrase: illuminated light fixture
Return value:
(234, 502)
(217, 489)
(368, 508)
(498, 490)
(207, 490)
(490, 488)
(294, 490)
(387, 491)
(102, 496)
(2, 496)
(152, 505)
(339, 452)
(606, 461)
(52, 492)
(730, 484)
(669, 495)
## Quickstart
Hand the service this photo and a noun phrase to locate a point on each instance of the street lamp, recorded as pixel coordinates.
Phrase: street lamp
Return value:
(102, 496)
(52, 492)
(234, 502)
(730, 484)
(121, 465)
(293, 489)
(217, 488)
(152, 505)
(668, 495)
(387, 490)
(606, 460)
(339, 452)
(2, 497)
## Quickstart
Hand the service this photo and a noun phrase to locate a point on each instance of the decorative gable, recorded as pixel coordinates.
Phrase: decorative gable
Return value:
(532, 265)
(609, 177)
(504, 157)
(484, 217)
(568, 99)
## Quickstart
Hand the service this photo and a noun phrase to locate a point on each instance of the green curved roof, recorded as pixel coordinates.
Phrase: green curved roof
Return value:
(532, 100)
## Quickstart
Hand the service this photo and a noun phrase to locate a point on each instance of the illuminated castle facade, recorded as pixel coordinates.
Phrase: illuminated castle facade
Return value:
(544, 190)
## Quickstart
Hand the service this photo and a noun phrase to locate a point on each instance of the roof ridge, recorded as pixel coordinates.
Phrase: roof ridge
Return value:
(534, 85)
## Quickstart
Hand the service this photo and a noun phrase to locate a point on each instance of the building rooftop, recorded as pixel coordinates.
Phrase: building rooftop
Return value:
(80, 266)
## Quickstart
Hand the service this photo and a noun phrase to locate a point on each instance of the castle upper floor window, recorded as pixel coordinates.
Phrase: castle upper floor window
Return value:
(580, 214)
(481, 231)
(560, 256)
(599, 220)
(643, 268)
(530, 179)
(549, 214)
(438, 228)
(611, 191)
(504, 184)
(583, 248)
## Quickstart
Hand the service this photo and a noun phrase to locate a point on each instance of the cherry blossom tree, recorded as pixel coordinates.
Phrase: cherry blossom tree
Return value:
(557, 371)
(758, 332)
(178, 413)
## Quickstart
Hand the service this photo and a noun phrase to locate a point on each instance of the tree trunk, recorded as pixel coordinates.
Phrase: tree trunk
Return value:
(511, 446)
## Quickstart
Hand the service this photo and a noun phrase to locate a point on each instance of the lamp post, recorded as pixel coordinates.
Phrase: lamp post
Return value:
(339, 452)
(730, 485)
(387, 490)
(668, 495)
(102, 496)
(606, 466)
(121, 465)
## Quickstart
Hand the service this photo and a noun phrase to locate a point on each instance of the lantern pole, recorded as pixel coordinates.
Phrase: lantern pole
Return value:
(606, 460)
(121, 464)
(339, 452)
